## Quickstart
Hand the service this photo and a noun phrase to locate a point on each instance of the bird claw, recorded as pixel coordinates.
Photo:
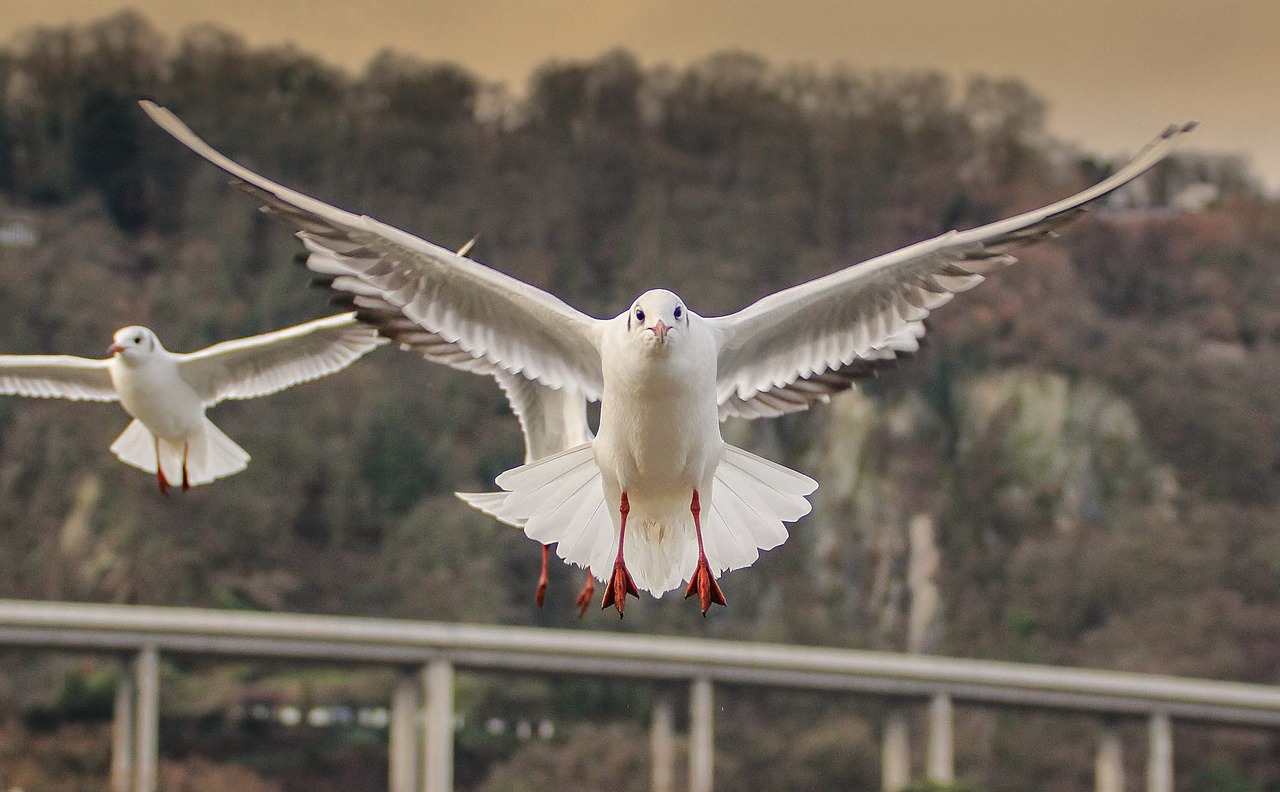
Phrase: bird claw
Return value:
(584, 597)
(702, 583)
(162, 481)
(620, 585)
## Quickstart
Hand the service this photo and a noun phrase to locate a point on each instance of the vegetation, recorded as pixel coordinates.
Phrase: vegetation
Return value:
(1093, 435)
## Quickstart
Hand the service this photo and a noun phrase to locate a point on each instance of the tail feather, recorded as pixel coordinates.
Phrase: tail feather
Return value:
(209, 454)
(212, 455)
(136, 446)
(488, 502)
(560, 500)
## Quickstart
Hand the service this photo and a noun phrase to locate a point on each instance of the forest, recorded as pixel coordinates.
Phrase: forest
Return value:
(1088, 444)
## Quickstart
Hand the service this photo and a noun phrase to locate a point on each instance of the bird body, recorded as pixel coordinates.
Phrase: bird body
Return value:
(167, 393)
(656, 497)
(170, 435)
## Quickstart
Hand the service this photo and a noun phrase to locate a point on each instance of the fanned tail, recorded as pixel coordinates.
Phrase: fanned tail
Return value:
(560, 500)
(209, 454)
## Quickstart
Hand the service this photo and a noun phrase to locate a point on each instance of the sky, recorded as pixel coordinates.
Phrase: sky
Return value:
(1114, 72)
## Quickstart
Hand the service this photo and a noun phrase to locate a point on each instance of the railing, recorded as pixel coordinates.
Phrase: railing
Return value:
(421, 722)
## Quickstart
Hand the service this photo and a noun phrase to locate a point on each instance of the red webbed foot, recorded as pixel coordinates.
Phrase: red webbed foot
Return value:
(620, 585)
(702, 583)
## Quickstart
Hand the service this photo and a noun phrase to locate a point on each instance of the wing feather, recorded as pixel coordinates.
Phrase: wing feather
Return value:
(56, 377)
(262, 364)
(860, 312)
(485, 314)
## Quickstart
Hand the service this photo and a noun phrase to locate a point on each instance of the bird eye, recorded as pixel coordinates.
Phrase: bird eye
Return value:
(639, 314)
(677, 312)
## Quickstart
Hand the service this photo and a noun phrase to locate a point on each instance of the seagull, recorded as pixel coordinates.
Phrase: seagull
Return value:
(657, 498)
(167, 393)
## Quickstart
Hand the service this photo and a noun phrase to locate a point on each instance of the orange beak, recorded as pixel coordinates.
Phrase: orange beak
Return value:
(660, 330)
(113, 349)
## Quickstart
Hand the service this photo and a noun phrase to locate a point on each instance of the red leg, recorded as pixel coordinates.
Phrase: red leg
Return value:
(160, 479)
(541, 595)
(621, 584)
(584, 596)
(186, 481)
(702, 581)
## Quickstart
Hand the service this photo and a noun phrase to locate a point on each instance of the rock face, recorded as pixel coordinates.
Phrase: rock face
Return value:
(1021, 453)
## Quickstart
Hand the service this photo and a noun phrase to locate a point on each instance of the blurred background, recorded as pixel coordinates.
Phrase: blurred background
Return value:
(1081, 468)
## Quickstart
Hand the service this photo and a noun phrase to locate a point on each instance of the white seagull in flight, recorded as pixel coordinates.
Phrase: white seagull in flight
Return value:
(657, 497)
(167, 393)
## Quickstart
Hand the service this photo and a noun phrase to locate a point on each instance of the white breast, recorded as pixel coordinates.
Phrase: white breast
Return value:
(659, 425)
(154, 394)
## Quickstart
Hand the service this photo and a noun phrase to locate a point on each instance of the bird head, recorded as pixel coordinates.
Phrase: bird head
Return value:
(658, 318)
(133, 344)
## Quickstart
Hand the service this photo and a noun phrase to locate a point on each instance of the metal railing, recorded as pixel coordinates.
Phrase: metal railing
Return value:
(421, 721)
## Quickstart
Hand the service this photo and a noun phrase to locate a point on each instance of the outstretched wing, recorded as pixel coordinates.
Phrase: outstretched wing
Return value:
(804, 392)
(56, 377)
(263, 364)
(479, 311)
(789, 344)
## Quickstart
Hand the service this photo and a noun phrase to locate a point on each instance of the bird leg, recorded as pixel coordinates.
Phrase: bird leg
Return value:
(186, 482)
(584, 597)
(701, 581)
(541, 595)
(620, 584)
(160, 479)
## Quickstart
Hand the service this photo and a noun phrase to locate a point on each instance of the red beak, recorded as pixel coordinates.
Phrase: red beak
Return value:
(660, 330)
(113, 349)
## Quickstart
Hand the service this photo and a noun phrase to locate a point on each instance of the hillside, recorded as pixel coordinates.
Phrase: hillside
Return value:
(1089, 444)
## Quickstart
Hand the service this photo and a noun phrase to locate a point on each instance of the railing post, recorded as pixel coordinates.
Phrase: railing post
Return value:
(122, 717)
(701, 735)
(895, 753)
(941, 762)
(406, 709)
(1160, 753)
(437, 754)
(1109, 765)
(146, 761)
(662, 743)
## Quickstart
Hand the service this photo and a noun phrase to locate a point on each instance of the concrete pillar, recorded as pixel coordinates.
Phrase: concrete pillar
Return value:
(1160, 753)
(403, 739)
(146, 761)
(437, 753)
(701, 735)
(895, 753)
(122, 727)
(940, 761)
(1109, 764)
(662, 744)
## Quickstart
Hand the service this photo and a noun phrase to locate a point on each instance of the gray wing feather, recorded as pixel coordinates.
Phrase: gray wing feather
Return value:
(263, 364)
(56, 377)
(862, 312)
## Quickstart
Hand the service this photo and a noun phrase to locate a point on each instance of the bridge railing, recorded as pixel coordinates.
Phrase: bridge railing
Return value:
(421, 719)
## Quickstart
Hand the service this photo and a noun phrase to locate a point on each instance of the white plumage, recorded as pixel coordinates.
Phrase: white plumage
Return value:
(664, 375)
(167, 393)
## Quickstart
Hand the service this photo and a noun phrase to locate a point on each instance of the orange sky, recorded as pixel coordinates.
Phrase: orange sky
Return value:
(1114, 73)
